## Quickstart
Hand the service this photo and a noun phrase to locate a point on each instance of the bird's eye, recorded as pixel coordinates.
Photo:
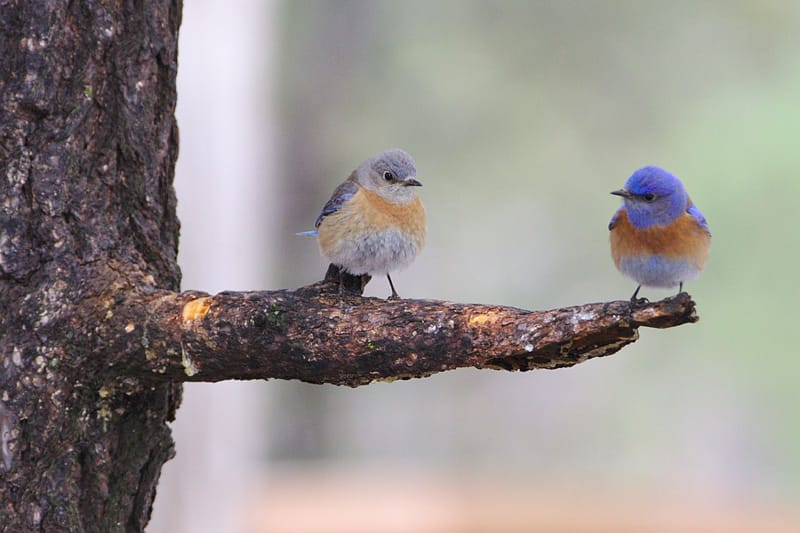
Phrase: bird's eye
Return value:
(388, 175)
(649, 197)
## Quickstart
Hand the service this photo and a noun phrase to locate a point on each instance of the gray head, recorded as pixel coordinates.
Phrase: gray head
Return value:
(392, 174)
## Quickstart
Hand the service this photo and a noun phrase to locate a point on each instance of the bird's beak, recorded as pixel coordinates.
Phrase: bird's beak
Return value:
(622, 192)
(412, 182)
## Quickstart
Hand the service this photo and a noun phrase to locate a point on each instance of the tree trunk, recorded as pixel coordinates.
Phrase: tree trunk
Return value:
(88, 143)
(94, 337)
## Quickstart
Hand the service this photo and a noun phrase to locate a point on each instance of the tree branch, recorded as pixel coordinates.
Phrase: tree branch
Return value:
(319, 335)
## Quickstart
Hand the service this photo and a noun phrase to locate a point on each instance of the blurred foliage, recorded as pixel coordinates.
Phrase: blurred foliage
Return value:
(522, 116)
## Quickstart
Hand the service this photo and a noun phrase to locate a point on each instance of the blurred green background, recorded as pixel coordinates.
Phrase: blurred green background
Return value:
(522, 116)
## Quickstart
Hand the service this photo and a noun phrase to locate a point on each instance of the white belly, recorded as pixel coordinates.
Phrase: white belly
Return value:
(376, 253)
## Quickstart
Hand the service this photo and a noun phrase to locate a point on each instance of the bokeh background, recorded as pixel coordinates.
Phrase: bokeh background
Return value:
(522, 116)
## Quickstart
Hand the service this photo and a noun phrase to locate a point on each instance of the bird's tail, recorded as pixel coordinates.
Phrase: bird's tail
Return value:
(311, 233)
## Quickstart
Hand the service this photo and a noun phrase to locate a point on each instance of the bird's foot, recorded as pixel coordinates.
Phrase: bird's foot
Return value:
(394, 295)
(638, 301)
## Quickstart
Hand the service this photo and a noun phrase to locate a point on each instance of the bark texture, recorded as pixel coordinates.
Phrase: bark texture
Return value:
(88, 143)
(94, 338)
(318, 335)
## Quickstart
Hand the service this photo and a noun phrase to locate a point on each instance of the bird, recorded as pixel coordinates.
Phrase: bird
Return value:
(374, 222)
(658, 236)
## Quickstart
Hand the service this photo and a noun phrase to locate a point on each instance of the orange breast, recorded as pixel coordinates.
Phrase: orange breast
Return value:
(382, 214)
(683, 239)
(369, 213)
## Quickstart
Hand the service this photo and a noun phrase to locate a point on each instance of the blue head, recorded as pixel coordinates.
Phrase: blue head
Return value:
(653, 197)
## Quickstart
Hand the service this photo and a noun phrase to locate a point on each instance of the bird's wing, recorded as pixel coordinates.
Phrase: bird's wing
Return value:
(698, 216)
(615, 219)
(340, 196)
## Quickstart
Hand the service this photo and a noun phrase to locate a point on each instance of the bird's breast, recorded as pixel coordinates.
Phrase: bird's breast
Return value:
(371, 234)
(382, 214)
(682, 239)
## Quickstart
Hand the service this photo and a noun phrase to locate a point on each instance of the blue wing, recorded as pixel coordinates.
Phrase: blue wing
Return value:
(340, 196)
(698, 216)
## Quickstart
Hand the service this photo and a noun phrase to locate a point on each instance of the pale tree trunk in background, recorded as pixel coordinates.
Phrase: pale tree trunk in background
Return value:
(225, 113)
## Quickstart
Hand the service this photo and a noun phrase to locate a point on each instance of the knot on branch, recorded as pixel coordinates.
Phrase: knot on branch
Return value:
(339, 280)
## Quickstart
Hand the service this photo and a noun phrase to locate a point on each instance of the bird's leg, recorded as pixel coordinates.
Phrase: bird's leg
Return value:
(635, 300)
(394, 295)
(635, 293)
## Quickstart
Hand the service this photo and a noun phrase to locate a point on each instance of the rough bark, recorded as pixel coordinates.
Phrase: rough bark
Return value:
(88, 143)
(318, 335)
(94, 338)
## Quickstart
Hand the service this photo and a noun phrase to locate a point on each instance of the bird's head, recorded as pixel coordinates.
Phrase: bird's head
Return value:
(392, 174)
(653, 197)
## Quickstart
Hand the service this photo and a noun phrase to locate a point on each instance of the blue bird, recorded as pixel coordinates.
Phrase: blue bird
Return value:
(658, 237)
